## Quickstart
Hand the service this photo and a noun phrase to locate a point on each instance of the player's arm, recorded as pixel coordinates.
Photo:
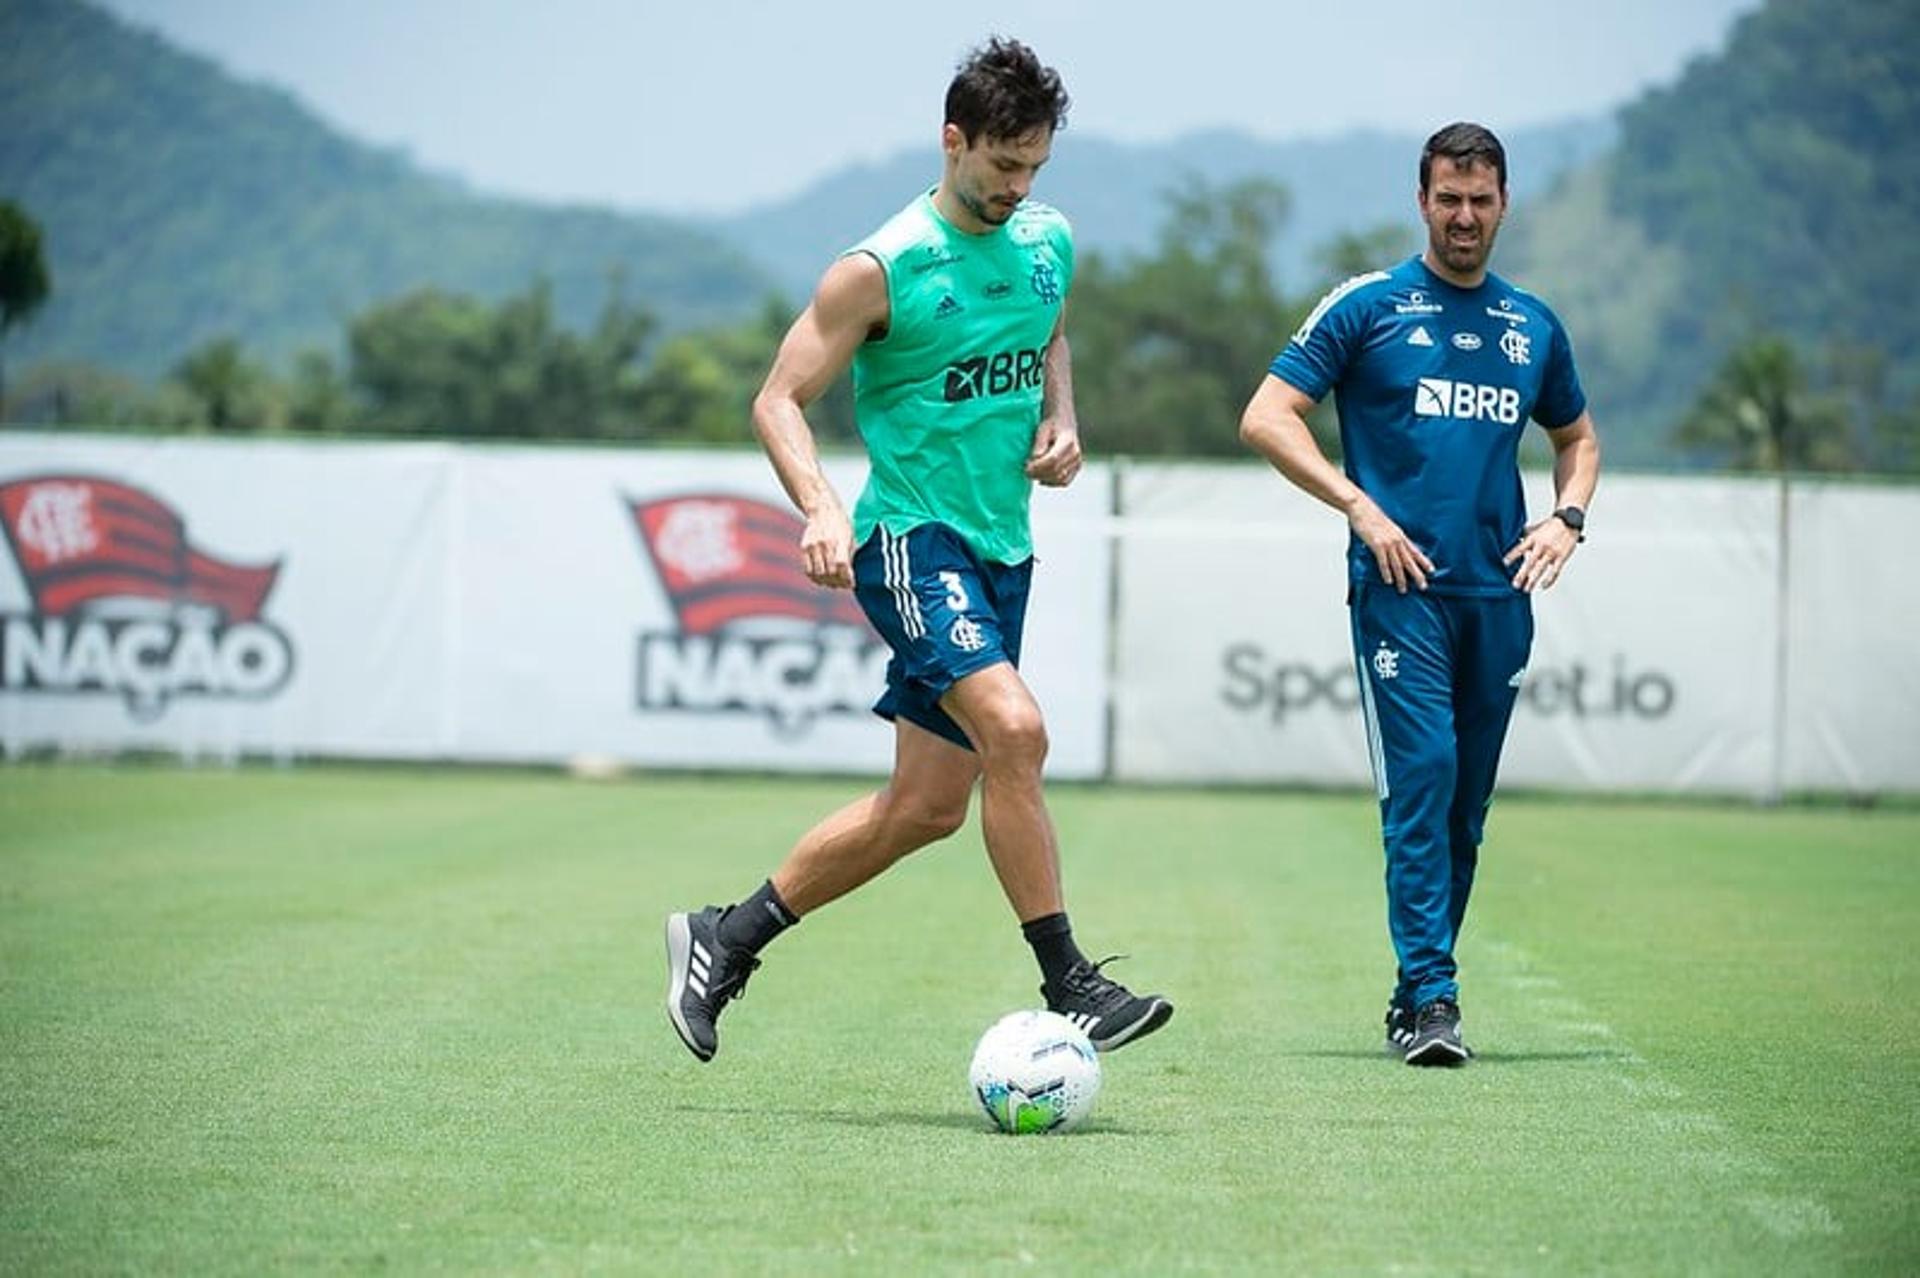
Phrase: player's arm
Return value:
(849, 304)
(1055, 458)
(1546, 546)
(1275, 426)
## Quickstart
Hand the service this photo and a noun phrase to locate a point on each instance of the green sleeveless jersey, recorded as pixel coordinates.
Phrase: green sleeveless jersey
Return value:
(949, 399)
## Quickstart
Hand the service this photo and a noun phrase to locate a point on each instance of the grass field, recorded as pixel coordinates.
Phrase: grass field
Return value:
(354, 1020)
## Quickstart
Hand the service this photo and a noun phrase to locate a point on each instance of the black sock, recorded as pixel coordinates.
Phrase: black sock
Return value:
(755, 921)
(1051, 937)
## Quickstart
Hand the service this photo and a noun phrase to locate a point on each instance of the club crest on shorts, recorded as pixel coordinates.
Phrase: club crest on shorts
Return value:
(965, 635)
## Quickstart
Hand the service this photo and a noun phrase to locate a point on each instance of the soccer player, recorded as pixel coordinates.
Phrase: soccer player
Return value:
(952, 317)
(1436, 365)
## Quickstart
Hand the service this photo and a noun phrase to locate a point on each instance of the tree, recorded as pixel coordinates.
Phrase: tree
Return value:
(446, 364)
(1169, 347)
(1758, 413)
(227, 391)
(699, 387)
(1354, 253)
(24, 281)
(317, 398)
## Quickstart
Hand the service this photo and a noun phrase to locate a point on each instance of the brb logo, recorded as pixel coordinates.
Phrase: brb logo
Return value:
(123, 604)
(1467, 401)
(995, 374)
(754, 634)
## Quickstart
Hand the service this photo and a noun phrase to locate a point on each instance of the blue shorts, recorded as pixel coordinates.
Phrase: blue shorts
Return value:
(945, 613)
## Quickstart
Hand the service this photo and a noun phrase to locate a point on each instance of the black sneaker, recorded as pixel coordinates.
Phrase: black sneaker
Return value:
(1108, 1012)
(1436, 1035)
(702, 975)
(1399, 1029)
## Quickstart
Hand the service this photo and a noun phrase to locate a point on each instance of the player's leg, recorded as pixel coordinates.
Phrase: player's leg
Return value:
(1497, 637)
(711, 952)
(925, 799)
(1403, 651)
(1001, 717)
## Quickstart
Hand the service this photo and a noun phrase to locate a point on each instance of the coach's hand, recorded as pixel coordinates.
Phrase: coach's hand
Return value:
(1055, 458)
(1401, 562)
(827, 548)
(1543, 551)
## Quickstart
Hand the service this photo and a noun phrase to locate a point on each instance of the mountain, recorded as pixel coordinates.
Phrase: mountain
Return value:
(1112, 191)
(180, 205)
(1773, 189)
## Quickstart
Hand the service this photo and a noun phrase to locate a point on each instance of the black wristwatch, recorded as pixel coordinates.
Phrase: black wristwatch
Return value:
(1574, 518)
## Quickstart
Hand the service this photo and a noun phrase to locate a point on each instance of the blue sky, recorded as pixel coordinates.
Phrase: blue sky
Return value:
(687, 107)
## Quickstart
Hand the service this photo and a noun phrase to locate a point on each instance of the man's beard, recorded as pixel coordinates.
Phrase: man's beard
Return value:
(1465, 258)
(987, 211)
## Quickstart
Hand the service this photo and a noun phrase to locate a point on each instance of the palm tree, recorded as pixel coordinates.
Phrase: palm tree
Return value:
(1759, 413)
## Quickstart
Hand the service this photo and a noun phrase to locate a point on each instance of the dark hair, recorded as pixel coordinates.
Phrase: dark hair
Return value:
(1001, 90)
(1466, 145)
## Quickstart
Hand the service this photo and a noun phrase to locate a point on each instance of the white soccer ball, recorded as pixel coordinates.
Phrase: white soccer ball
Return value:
(1035, 1071)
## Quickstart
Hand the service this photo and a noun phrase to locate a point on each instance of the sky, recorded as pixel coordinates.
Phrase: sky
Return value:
(689, 107)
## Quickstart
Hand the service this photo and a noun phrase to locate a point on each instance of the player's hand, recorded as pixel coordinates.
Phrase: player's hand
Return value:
(826, 546)
(1401, 562)
(1542, 551)
(1055, 458)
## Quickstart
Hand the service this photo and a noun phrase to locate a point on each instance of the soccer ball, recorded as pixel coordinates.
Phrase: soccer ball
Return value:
(1035, 1072)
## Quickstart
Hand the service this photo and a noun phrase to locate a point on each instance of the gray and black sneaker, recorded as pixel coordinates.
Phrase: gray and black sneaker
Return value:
(1108, 1012)
(1399, 1029)
(702, 976)
(1436, 1035)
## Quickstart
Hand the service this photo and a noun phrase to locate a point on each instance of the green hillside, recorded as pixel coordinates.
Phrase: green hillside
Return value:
(181, 205)
(1113, 191)
(1773, 189)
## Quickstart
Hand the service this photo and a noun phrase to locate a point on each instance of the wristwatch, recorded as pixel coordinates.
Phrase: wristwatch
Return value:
(1574, 518)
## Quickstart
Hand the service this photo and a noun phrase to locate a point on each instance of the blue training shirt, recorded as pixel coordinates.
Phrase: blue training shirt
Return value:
(1433, 385)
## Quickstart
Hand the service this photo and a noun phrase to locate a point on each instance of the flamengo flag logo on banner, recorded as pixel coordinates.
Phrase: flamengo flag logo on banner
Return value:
(123, 603)
(754, 635)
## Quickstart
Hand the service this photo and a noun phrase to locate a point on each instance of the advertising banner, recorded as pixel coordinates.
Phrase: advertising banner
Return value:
(505, 604)
(207, 597)
(651, 607)
(1852, 678)
(647, 607)
(1653, 664)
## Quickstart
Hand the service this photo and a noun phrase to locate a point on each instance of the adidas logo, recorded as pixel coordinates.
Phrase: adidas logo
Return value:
(949, 306)
(700, 969)
(1419, 337)
(1084, 1021)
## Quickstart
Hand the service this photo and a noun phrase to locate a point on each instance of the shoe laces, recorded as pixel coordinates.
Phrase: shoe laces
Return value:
(1085, 980)
(1438, 1013)
(732, 985)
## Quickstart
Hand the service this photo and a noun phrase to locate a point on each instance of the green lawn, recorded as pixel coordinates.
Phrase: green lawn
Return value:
(396, 1020)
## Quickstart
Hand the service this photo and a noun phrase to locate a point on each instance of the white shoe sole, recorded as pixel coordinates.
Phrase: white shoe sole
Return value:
(679, 950)
(1159, 1014)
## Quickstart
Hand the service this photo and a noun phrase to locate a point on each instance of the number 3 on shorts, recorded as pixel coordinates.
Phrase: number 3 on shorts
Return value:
(956, 591)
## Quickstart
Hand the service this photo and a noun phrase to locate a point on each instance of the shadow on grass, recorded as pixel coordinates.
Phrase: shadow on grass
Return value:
(1095, 1129)
(1612, 1054)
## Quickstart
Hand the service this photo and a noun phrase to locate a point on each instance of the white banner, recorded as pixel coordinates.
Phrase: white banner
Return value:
(432, 601)
(1652, 667)
(1654, 657)
(1853, 681)
(649, 606)
(209, 597)
(475, 603)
